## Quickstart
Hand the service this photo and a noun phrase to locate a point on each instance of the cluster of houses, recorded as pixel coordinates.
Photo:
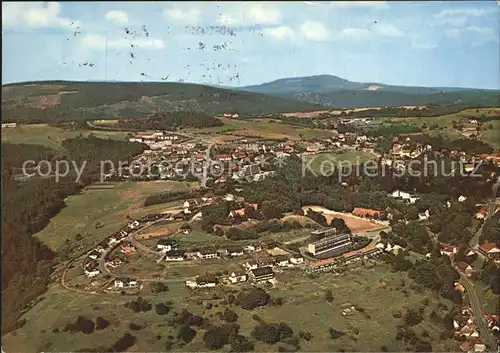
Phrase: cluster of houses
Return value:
(467, 330)
(91, 265)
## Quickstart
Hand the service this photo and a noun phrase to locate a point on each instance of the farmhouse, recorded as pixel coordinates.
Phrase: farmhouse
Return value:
(448, 250)
(465, 268)
(8, 125)
(252, 247)
(282, 260)
(202, 282)
(235, 251)
(261, 274)
(127, 248)
(490, 250)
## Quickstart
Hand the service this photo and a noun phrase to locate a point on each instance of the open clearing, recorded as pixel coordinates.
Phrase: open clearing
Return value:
(105, 208)
(356, 224)
(52, 137)
(265, 128)
(377, 290)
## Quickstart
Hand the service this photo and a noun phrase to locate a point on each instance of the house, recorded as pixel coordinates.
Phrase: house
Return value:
(165, 245)
(127, 248)
(112, 240)
(296, 259)
(175, 255)
(207, 253)
(490, 250)
(206, 281)
(448, 250)
(282, 260)
(91, 272)
(239, 212)
(261, 274)
(459, 287)
(235, 251)
(252, 247)
(229, 197)
(424, 216)
(8, 125)
(464, 267)
(465, 347)
(94, 255)
(462, 198)
(125, 283)
(237, 277)
(481, 213)
(222, 157)
(251, 265)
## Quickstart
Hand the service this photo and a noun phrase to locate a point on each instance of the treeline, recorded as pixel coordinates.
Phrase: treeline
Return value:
(393, 130)
(14, 155)
(168, 196)
(428, 111)
(27, 209)
(170, 121)
(469, 146)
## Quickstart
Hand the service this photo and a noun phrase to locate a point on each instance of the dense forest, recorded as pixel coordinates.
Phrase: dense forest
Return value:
(170, 121)
(27, 208)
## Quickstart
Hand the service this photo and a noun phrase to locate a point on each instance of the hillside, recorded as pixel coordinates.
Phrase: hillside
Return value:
(63, 100)
(334, 91)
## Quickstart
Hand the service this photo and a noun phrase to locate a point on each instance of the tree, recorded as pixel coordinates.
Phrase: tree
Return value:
(252, 299)
(101, 323)
(161, 309)
(229, 315)
(329, 295)
(186, 333)
(242, 344)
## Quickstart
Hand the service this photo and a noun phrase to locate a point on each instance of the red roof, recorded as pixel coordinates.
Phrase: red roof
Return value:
(198, 156)
(222, 156)
(487, 246)
(462, 265)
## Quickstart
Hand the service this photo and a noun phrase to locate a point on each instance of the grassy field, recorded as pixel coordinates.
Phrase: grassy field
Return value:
(327, 159)
(377, 290)
(265, 128)
(492, 137)
(43, 134)
(109, 207)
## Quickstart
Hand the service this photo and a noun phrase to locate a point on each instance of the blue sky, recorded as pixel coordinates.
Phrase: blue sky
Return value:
(440, 43)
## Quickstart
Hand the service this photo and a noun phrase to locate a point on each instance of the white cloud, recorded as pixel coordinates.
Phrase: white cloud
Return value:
(188, 16)
(457, 17)
(281, 32)
(117, 16)
(35, 15)
(252, 14)
(482, 34)
(378, 30)
(316, 31)
(98, 42)
(377, 5)
(387, 30)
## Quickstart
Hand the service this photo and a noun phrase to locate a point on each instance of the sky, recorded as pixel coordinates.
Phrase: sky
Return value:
(438, 43)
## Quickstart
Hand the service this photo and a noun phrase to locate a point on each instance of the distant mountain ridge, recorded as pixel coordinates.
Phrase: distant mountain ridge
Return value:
(334, 91)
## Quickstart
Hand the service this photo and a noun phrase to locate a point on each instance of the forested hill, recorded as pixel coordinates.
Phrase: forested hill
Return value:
(51, 101)
(28, 207)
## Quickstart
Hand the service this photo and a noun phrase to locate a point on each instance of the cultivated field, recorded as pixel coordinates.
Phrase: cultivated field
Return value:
(97, 213)
(379, 291)
(43, 134)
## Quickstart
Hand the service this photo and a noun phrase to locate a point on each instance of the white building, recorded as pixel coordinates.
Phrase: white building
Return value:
(125, 283)
(296, 259)
(237, 277)
(92, 272)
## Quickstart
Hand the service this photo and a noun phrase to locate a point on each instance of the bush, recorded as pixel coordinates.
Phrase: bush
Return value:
(334, 334)
(306, 336)
(329, 295)
(139, 305)
(242, 344)
(134, 327)
(159, 287)
(82, 324)
(101, 323)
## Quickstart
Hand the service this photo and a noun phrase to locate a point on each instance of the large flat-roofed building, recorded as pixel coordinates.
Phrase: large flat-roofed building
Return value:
(333, 244)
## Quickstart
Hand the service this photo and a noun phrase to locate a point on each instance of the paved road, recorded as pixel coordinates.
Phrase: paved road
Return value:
(476, 308)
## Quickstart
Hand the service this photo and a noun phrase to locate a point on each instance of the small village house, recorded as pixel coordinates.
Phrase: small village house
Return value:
(165, 245)
(237, 277)
(464, 267)
(261, 274)
(125, 283)
(296, 259)
(207, 253)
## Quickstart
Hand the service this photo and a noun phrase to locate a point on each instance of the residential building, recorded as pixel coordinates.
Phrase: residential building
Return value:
(252, 247)
(282, 260)
(205, 254)
(322, 265)
(175, 255)
(296, 259)
(125, 283)
(237, 277)
(202, 282)
(94, 255)
(165, 245)
(464, 267)
(8, 125)
(127, 248)
(235, 251)
(490, 250)
(448, 250)
(91, 272)
(261, 274)
(336, 243)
